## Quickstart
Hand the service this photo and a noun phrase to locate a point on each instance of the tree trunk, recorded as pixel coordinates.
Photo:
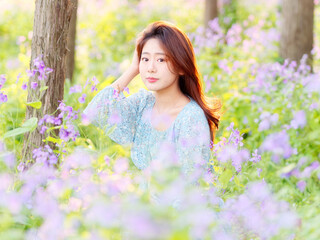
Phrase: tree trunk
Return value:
(296, 36)
(71, 43)
(50, 30)
(210, 11)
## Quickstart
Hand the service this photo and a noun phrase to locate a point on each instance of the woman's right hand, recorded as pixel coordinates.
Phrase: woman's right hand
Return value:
(123, 81)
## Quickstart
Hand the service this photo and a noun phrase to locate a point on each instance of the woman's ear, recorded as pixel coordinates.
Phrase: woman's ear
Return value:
(181, 73)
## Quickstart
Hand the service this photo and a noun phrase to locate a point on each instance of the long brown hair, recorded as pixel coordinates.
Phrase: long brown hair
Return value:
(180, 52)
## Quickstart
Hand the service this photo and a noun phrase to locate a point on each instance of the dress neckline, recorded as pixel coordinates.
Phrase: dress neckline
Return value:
(174, 121)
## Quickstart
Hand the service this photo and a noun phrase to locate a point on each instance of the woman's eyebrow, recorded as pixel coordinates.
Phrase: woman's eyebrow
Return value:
(158, 53)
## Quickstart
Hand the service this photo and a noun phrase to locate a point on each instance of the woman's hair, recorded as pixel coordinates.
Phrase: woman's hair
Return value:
(180, 53)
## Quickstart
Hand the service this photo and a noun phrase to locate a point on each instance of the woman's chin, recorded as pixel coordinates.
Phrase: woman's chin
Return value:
(151, 87)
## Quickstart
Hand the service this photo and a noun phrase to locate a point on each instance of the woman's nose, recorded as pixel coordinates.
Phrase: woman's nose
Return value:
(151, 66)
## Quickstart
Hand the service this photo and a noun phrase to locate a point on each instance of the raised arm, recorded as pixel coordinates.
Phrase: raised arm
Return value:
(108, 110)
(123, 81)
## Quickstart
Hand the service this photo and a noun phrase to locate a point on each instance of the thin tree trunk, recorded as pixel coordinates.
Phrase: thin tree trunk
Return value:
(71, 43)
(210, 11)
(50, 30)
(297, 29)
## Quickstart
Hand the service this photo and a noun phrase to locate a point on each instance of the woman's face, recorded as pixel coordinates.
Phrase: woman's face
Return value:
(155, 67)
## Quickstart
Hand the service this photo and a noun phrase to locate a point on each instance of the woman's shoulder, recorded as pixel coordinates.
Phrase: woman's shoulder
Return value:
(192, 117)
(194, 111)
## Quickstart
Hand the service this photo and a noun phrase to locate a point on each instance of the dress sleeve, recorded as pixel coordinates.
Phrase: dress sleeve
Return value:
(193, 142)
(116, 114)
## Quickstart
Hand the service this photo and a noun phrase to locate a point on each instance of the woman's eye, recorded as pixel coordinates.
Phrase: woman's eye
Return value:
(144, 59)
(161, 60)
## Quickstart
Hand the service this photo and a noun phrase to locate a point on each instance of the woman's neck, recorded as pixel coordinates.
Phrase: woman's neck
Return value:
(169, 99)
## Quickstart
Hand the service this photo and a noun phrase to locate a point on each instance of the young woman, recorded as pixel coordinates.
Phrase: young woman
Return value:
(175, 112)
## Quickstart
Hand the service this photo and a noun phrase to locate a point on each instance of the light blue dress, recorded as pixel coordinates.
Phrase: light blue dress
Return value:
(129, 118)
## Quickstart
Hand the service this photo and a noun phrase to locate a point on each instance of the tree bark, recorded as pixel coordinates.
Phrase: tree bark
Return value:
(50, 30)
(296, 36)
(71, 43)
(210, 11)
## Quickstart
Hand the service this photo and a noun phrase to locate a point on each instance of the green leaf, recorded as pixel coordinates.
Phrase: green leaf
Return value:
(16, 132)
(43, 88)
(237, 181)
(36, 105)
(31, 123)
(287, 168)
(54, 140)
(225, 177)
(27, 126)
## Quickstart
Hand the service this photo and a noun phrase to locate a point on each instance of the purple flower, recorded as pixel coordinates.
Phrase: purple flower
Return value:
(45, 155)
(255, 157)
(259, 170)
(114, 118)
(258, 212)
(18, 77)
(87, 82)
(264, 125)
(2, 147)
(34, 85)
(230, 126)
(24, 86)
(115, 94)
(312, 83)
(66, 110)
(223, 64)
(107, 160)
(9, 159)
(121, 165)
(313, 105)
(103, 214)
(85, 120)
(53, 159)
(267, 120)
(39, 155)
(75, 89)
(94, 88)
(43, 129)
(82, 99)
(31, 73)
(21, 166)
(57, 121)
(208, 82)
(230, 152)
(235, 138)
(239, 158)
(126, 89)
(315, 165)
(278, 144)
(2, 80)
(3, 98)
(301, 185)
(95, 80)
(299, 120)
(40, 68)
(47, 118)
(68, 132)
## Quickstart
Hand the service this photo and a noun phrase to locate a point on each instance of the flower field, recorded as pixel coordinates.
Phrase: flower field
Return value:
(264, 181)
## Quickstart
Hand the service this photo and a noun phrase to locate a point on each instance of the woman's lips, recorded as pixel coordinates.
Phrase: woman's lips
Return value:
(152, 80)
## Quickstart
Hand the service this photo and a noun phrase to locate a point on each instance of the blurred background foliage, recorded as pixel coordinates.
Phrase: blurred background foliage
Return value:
(238, 58)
